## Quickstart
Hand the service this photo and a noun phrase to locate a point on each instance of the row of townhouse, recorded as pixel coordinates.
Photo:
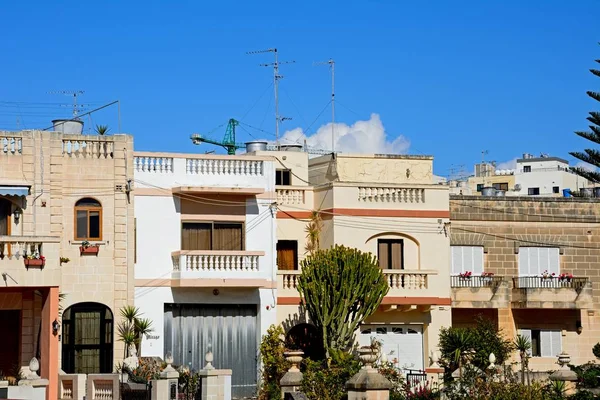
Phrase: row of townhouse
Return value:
(209, 248)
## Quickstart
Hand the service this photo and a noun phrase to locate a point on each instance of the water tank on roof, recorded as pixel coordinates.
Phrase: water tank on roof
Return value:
(586, 192)
(488, 191)
(500, 193)
(68, 126)
(256, 146)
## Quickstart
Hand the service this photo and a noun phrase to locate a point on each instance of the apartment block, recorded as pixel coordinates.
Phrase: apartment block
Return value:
(205, 258)
(387, 205)
(66, 227)
(532, 265)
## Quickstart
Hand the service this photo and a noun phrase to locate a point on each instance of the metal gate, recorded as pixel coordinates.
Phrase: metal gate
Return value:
(228, 330)
(135, 391)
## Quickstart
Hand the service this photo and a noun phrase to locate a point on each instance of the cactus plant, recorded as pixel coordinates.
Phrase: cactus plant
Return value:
(340, 287)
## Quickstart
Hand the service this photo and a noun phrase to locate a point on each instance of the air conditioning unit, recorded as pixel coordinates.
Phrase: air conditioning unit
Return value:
(517, 187)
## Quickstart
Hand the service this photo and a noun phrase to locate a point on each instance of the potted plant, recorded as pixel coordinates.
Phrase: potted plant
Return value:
(547, 275)
(487, 276)
(88, 248)
(465, 275)
(64, 260)
(34, 260)
(565, 277)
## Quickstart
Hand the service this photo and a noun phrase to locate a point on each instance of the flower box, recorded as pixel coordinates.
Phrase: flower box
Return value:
(89, 250)
(34, 262)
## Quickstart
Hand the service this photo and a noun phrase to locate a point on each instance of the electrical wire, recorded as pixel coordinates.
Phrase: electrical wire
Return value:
(256, 102)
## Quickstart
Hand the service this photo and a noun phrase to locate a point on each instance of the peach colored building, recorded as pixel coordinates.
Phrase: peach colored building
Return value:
(57, 191)
(384, 204)
(527, 243)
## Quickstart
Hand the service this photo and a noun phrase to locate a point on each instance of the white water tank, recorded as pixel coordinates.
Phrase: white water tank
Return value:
(257, 145)
(69, 126)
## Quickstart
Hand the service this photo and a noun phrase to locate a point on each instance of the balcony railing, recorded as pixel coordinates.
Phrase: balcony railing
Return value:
(288, 280)
(22, 246)
(291, 196)
(391, 195)
(92, 147)
(158, 165)
(216, 264)
(538, 282)
(409, 280)
(224, 167)
(477, 281)
(11, 145)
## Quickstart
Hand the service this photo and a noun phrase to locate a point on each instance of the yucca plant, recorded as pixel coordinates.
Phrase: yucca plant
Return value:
(102, 129)
(132, 329)
(313, 232)
(523, 346)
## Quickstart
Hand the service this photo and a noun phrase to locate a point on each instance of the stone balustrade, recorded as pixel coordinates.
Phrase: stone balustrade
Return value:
(11, 145)
(291, 195)
(391, 195)
(287, 282)
(19, 246)
(158, 165)
(196, 264)
(71, 386)
(224, 167)
(103, 387)
(92, 147)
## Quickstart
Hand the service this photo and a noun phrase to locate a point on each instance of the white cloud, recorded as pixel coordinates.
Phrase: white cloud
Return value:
(586, 166)
(510, 164)
(361, 137)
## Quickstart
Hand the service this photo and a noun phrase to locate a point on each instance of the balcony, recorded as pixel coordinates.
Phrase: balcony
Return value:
(539, 292)
(480, 292)
(402, 283)
(202, 171)
(13, 252)
(294, 196)
(197, 268)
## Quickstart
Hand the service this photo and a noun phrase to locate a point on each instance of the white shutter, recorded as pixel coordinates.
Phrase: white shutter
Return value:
(526, 333)
(553, 260)
(546, 344)
(524, 261)
(556, 343)
(477, 260)
(543, 260)
(457, 260)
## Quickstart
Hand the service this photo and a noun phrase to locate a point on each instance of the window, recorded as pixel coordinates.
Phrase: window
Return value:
(212, 236)
(88, 219)
(467, 258)
(479, 187)
(5, 212)
(390, 253)
(287, 255)
(527, 168)
(87, 339)
(283, 177)
(533, 191)
(501, 186)
(544, 343)
(555, 189)
(535, 260)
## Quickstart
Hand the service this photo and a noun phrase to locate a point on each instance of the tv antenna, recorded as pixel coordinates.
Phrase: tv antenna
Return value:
(73, 93)
(276, 78)
(331, 64)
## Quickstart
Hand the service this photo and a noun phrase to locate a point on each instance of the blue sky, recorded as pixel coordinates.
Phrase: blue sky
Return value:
(452, 77)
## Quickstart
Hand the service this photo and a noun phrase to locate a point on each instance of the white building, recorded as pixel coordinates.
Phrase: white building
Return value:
(205, 258)
(545, 176)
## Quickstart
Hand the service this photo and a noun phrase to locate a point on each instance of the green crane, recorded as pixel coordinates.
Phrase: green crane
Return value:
(228, 142)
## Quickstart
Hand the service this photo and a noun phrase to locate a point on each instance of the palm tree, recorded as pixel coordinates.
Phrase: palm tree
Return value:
(459, 343)
(102, 129)
(523, 345)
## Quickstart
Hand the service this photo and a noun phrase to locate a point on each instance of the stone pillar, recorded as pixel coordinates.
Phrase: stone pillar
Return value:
(292, 380)
(565, 374)
(216, 383)
(35, 386)
(368, 383)
(49, 341)
(165, 388)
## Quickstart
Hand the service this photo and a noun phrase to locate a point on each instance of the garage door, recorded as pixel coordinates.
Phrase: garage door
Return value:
(402, 344)
(229, 331)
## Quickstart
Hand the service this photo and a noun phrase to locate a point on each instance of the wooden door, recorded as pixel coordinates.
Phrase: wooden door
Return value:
(10, 332)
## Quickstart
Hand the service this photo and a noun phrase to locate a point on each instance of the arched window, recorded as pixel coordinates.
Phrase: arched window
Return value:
(87, 339)
(88, 219)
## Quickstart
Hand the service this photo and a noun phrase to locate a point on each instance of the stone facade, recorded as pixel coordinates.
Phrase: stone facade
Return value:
(504, 224)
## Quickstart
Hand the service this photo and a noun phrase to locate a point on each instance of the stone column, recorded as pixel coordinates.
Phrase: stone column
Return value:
(165, 388)
(292, 380)
(368, 383)
(565, 374)
(216, 383)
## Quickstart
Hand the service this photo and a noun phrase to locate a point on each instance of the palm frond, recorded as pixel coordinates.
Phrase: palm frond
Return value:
(130, 313)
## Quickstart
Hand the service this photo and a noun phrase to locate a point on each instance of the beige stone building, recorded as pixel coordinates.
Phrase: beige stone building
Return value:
(527, 243)
(58, 192)
(384, 204)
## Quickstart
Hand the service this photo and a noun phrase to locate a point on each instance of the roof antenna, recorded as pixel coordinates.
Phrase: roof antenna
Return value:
(331, 64)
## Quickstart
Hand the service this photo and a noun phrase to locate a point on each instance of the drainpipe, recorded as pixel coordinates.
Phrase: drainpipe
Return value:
(34, 179)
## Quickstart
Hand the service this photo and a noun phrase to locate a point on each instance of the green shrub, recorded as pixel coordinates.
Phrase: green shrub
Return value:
(274, 364)
(588, 375)
(322, 382)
